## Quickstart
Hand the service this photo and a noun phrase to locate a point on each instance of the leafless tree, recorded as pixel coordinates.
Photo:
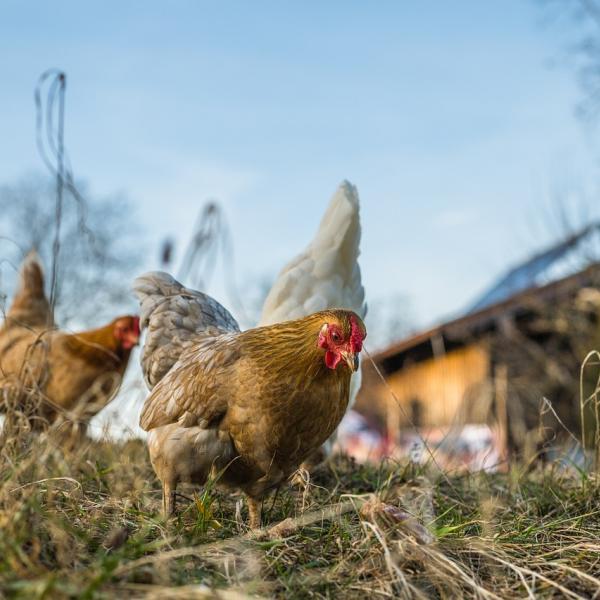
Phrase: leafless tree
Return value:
(579, 21)
(100, 247)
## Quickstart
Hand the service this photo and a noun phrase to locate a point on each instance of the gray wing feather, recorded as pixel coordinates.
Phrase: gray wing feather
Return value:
(174, 317)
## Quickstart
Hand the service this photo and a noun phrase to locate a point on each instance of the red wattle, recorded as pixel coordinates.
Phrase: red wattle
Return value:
(332, 359)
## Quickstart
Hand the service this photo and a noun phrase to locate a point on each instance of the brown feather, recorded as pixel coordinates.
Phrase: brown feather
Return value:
(30, 306)
(98, 346)
(266, 390)
(79, 371)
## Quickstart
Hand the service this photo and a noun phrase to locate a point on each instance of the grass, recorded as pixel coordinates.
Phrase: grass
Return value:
(87, 524)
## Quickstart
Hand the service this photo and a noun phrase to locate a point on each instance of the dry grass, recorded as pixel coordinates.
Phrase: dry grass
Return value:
(87, 524)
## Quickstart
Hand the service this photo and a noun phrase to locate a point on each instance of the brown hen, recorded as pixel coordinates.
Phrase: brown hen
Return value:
(250, 405)
(72, 376)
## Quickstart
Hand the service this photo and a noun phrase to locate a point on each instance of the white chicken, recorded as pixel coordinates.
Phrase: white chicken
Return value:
(326, 275)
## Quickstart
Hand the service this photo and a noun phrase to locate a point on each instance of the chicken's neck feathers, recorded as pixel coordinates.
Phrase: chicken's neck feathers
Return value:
(97, 345)
(289, 351)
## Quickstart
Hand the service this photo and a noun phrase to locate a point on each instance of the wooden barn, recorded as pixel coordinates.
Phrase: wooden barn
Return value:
(522, 341)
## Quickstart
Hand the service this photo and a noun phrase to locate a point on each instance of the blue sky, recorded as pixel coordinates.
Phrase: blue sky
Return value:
(455, 120)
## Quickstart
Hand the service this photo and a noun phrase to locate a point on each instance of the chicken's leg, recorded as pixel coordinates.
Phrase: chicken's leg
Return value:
(169, 491)
(317, 458)
(301, 478)
(254, 510)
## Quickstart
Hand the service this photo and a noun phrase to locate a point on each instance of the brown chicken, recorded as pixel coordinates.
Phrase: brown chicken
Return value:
(250, 406)
(72, 375)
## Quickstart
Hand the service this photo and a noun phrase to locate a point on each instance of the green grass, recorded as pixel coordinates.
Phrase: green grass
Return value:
(87, 524)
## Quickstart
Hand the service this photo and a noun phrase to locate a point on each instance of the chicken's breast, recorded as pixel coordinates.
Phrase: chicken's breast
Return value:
(187, 454)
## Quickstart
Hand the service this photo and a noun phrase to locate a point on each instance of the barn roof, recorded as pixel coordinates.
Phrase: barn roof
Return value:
(568, 257)
(566, 266)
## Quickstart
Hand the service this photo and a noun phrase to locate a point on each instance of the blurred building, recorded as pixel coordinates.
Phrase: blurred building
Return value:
(522, 341)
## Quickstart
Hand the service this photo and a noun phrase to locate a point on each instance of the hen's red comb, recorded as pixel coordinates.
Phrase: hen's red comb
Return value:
(136, 325)
(357, 335)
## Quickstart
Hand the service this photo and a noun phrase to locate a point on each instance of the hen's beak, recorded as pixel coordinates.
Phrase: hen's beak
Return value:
(351, 360)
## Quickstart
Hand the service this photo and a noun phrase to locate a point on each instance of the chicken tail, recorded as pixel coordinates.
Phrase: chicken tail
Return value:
(336, 246)
(30, 307)
(340, 226)
(326, 274)
(174, 316)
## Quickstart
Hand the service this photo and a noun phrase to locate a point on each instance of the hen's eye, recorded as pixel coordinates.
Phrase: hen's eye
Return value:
(335, 336)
